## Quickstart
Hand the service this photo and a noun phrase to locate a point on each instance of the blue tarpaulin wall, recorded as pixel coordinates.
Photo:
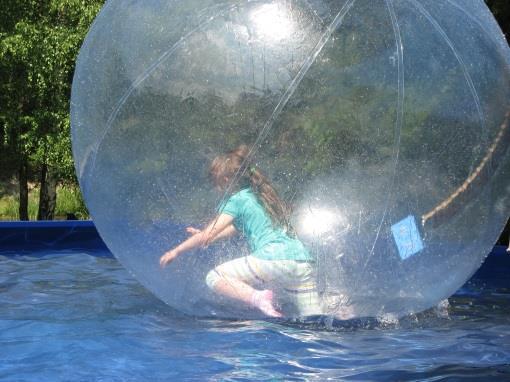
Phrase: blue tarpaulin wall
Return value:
(41, 235)
(30, 236)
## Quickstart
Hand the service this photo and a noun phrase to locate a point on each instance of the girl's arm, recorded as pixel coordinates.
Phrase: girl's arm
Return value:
(201, 239)
(227, 232)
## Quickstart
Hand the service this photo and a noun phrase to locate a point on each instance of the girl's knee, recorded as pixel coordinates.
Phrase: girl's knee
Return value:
(212, 278)
(235, 269)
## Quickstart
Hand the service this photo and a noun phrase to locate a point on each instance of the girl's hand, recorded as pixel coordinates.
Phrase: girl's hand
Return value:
(168, 257)
(192, 230)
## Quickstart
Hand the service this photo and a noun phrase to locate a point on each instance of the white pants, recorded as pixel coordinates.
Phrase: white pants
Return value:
(296, 279)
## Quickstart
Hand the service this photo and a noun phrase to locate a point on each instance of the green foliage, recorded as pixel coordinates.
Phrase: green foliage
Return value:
(39, 42)
(69, 201)
(9, 206)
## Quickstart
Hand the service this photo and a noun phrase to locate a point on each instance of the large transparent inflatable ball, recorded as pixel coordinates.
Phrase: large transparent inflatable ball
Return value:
(383, 123)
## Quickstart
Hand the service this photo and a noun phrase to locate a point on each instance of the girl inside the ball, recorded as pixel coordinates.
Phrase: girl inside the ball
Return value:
(277, 260)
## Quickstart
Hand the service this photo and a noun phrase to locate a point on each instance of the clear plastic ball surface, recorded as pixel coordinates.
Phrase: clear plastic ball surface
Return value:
(383, 123)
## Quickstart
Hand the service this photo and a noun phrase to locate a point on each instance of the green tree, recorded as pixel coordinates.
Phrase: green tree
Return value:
(39, 42)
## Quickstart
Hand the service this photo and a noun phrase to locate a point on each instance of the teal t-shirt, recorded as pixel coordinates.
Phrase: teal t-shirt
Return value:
(265, 241)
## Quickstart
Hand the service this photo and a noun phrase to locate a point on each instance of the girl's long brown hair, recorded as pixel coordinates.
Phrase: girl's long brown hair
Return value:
(224, 168)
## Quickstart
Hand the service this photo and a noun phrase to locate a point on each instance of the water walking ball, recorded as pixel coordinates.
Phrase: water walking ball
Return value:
(384, 123)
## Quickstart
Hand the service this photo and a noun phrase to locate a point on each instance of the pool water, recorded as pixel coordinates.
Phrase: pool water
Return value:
(70, 315)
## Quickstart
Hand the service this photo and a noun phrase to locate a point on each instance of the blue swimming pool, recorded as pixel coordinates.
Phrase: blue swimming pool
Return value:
(70, 312)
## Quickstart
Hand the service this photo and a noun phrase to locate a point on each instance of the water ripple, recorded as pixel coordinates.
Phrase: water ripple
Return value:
(74, 317)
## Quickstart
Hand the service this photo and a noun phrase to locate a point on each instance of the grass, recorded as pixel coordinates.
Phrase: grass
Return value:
(69, 201)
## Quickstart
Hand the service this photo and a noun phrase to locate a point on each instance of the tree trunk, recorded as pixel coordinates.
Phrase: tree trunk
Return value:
(48, 194)
(23, 191)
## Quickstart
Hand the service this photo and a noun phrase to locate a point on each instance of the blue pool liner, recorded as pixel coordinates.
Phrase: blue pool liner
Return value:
(25, 237)
(63, 234)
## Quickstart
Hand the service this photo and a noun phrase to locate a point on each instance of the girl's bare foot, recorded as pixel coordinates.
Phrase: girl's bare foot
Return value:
(263, 300)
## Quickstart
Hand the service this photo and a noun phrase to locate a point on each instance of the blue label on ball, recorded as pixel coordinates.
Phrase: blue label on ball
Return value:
(407, 237)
